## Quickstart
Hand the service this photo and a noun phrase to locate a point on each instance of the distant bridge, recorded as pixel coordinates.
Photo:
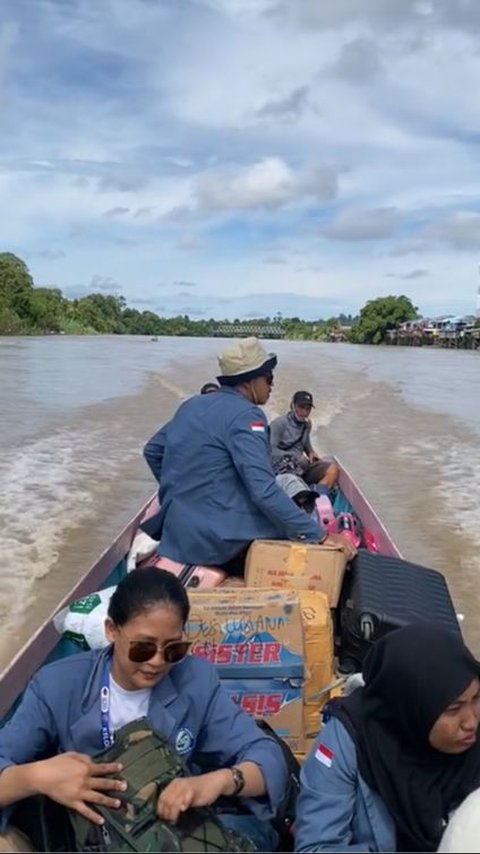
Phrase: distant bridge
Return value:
(243, 330)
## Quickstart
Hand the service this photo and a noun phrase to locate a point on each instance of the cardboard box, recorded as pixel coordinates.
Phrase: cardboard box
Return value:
(302, 566)
(273, 650)
(248, 633)
(278, 701)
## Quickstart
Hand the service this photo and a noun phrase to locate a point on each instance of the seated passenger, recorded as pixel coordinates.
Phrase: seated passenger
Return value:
(217, 486)
(290, 440)
(396, 757)
(46, 746)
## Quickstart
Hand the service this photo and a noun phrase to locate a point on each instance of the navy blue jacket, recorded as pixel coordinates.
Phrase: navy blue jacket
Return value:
(60, 711)
(217, 486)
(336, 809)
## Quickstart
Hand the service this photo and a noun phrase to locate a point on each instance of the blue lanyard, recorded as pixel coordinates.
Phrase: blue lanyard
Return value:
(107, 739)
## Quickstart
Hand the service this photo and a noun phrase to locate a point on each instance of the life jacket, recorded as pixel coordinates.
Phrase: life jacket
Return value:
(149, 764)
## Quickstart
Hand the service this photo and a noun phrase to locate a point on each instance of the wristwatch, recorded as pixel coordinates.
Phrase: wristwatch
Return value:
(238, 779)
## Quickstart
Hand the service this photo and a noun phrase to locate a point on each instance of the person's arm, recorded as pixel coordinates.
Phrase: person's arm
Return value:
(69, 778)
(229, 737)
(250, 452)
(154, 451)
(307, 443)
(328, 793)
(276, 430)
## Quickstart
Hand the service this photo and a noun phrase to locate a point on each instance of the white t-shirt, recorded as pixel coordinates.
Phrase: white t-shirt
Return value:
(126, 706)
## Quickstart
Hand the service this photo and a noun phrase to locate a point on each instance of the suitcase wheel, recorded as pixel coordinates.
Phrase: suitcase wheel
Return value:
(367, 627)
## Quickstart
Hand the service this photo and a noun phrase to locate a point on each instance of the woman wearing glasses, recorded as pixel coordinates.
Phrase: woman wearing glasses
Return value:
(73, 707)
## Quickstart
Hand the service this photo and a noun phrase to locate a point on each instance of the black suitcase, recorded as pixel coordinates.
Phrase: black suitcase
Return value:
(384, 593)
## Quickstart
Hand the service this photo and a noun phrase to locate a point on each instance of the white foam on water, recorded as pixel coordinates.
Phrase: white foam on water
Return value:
(47, 492)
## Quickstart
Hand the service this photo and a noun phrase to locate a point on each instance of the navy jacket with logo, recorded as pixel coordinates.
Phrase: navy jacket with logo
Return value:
(60, 711)
(217, 485)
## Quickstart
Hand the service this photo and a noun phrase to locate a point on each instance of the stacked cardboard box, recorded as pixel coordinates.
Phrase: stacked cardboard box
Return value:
(273, 650)
(301, 566)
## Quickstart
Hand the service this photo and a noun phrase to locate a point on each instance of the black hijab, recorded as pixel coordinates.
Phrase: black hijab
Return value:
(411, 677)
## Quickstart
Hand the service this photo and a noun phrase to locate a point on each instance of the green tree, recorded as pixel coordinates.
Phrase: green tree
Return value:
(48, 309)
(16, 285)
(379, 315)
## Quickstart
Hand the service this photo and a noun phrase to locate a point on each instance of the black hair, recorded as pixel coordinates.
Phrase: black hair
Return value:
(208, 388)
(144, 588)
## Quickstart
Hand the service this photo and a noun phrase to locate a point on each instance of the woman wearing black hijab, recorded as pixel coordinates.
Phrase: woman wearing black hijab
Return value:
(397, 756)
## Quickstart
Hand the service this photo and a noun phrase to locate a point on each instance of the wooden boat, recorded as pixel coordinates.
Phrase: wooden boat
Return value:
(45, 644)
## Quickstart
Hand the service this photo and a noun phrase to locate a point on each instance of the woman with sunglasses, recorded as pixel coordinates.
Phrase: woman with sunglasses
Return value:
(73, 707)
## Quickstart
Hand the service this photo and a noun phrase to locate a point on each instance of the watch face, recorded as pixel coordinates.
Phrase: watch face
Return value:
(239, 779)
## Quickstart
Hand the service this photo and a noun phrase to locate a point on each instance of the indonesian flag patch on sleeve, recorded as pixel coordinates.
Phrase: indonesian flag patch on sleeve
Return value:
(257, 426)
(324, 755)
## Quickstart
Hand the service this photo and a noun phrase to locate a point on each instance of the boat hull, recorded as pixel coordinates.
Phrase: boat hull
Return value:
(45, 645)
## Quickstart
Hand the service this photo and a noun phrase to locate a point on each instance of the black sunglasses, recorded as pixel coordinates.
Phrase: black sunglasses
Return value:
(173, 651)
(269, 378)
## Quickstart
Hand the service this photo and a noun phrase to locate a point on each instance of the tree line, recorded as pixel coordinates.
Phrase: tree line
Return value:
(29, 310)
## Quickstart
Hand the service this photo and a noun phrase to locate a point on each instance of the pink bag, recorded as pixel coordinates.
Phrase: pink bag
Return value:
(197, 577)
(325, 514)
(348, 526)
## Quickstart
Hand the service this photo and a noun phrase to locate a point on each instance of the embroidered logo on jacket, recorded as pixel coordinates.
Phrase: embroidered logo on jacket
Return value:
(257, 426)
(324, 755)
(184, 741)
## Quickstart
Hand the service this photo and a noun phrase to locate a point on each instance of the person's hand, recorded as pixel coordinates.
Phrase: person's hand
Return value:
(75, 781)
(340, 541)
(200, 791)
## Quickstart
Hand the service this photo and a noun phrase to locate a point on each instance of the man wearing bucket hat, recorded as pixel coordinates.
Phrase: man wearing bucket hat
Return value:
(213, 461)
(292, 451)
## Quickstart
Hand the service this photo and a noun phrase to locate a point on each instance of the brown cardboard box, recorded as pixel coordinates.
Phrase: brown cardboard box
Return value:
(255, 638)
(273, 649)
(302, 566)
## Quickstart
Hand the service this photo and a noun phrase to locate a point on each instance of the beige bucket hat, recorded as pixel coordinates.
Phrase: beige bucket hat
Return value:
(244, 360)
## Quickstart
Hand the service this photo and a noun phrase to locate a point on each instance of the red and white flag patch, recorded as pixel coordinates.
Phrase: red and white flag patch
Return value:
(324, 755)
(257, 426)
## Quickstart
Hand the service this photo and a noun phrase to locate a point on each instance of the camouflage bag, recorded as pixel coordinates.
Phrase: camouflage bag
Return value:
(149, 764)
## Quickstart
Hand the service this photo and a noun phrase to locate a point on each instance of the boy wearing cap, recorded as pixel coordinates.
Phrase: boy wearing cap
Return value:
(217, 486)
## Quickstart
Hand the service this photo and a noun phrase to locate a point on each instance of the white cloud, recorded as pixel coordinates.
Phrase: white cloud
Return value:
(195, 139)
(377, 224)
(269, 184)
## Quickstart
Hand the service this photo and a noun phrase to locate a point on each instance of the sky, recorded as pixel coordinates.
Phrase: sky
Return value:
(237, 158)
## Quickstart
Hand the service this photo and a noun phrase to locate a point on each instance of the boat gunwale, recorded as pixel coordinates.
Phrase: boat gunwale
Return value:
(32, 654)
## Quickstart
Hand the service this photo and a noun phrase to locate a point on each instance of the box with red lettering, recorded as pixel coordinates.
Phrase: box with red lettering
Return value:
(248, 633)
(255, 638)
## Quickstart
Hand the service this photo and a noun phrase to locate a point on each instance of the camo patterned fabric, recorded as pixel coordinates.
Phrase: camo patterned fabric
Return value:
(150, 763)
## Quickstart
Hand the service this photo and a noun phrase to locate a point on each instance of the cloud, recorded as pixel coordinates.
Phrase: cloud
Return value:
(375, 224)
(182, 284)
(201, 139)
(52, 254)
(102, 283)
(189, 243)
(117, 211)
(286, 109)
(8, 38)
(460, 230)
(268, 184)
(410, 276)
(358, 61)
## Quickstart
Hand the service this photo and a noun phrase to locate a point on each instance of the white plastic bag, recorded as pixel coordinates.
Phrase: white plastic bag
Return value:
(84, 619)
(142, 547)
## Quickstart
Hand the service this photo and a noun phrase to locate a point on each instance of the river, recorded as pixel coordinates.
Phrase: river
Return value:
(76, 411)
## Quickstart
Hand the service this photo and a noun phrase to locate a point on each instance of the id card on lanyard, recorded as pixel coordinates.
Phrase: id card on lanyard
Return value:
(107, 738)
